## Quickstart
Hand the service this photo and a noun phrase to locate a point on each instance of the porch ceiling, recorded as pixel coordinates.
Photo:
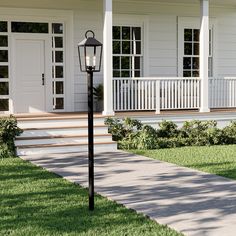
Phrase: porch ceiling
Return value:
(75, 4)
(44, 4)
(212, 2)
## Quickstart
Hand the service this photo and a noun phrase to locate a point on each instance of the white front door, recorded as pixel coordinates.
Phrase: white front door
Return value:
(30, 74)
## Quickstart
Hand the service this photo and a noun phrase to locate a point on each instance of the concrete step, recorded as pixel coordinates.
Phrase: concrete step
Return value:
(50, 122)
(56, 131)
(62, 139)
(61, 134)
(65, 148)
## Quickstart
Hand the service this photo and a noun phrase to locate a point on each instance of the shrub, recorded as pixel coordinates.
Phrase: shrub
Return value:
(5, 152)
(229, 134)
(122, 128)
(199, 133)
(131, 134)
(8, 132)
(168, 129)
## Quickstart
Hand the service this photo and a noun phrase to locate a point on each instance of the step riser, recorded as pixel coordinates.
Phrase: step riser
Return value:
(78, 140)
(57, 123)
(83, 148)
(55, 132)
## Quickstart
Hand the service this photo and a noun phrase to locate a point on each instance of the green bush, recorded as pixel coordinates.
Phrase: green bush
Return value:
(229, 134)
(8, 132)
(168, 129)
(131, 134)
(199, 133)
(122, 128)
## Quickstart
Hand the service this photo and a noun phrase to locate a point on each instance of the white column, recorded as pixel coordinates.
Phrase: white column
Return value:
(107, 59)
(204, 55)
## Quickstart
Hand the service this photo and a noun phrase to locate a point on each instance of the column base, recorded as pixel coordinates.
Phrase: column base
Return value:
(204, 109)
(108, 113)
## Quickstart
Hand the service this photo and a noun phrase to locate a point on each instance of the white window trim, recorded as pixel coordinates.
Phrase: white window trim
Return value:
(194, 23)
(137, 21)
(49, 16)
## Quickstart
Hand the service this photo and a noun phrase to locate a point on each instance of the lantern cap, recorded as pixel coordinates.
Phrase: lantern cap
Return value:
(89, 41)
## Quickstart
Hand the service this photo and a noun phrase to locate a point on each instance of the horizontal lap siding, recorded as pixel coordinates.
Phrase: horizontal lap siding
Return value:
(226, 42)
(88, 17)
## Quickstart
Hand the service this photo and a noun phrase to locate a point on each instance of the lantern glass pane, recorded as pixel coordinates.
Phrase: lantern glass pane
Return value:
(82, 58)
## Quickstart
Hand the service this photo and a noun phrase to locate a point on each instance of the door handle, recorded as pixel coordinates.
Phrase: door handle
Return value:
(43, 79)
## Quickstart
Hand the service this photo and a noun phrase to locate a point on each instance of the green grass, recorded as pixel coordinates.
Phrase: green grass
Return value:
(219, 160)
(35, 202)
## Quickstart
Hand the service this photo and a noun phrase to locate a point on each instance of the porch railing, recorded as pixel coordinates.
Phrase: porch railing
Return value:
(146, 94)
(222, 92)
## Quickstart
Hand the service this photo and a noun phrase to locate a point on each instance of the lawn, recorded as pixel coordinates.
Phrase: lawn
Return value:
(36, 202)
(220, 160)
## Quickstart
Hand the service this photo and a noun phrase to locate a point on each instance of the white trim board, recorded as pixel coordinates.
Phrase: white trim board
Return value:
(48, 16)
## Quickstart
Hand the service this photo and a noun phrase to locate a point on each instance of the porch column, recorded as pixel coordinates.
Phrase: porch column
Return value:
(204, 55)
(107, 59)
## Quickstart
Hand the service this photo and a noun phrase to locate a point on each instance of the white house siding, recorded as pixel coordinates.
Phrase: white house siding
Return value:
(87, 17)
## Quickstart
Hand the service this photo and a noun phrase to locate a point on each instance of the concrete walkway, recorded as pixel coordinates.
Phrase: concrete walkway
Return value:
(189, 201)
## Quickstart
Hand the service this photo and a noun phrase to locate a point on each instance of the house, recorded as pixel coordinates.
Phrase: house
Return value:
(174, 54)
(159, 55)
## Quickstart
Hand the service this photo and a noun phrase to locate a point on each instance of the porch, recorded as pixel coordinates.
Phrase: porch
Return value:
(195, 85)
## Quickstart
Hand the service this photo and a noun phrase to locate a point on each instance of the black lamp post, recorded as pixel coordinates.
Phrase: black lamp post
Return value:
(90, 58)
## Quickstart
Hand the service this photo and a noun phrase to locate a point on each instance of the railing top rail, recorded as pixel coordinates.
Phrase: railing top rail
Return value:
(156, 78)
(222, 78)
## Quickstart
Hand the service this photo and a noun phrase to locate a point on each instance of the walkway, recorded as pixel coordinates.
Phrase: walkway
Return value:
(189, 201)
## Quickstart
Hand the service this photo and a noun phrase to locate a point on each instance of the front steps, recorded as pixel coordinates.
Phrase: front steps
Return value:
(61, 134)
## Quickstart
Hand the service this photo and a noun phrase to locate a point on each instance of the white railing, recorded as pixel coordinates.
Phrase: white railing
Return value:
(146, 94)
(222, 92)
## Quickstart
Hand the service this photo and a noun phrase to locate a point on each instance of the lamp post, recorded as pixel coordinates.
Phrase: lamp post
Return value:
(90, 58)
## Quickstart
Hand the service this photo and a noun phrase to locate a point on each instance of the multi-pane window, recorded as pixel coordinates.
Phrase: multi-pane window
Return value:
(58, 65)
(192, 52)
(4, 67)
(127, 51)
(29, 27)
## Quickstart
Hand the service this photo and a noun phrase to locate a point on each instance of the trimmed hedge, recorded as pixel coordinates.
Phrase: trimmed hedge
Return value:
(8, 133)
(132, 134)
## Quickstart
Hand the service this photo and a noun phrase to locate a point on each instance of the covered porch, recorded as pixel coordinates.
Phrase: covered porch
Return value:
(191, 71)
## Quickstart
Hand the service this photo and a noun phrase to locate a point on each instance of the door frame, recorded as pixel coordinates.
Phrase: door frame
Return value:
(47, 65)
(49, 16)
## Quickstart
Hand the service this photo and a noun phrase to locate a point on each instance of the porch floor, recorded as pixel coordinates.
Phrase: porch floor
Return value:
(74, 115)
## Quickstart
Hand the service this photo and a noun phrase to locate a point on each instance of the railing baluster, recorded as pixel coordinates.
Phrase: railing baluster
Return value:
(171, 93)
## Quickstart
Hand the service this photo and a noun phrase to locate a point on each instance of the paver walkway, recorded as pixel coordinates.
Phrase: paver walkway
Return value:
(189, 201)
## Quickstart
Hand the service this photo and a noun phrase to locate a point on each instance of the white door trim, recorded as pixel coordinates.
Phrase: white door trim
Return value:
(48, 16)
(47, 66)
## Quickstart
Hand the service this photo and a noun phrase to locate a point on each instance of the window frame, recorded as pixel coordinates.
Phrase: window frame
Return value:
(142, 21)
(194, 23)
(132, 56)
(8, 79)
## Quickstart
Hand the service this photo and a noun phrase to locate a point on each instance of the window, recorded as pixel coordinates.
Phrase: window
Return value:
(127, 51)
(58, 73)
(191, 52)
(4, 67)
(29, 27)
